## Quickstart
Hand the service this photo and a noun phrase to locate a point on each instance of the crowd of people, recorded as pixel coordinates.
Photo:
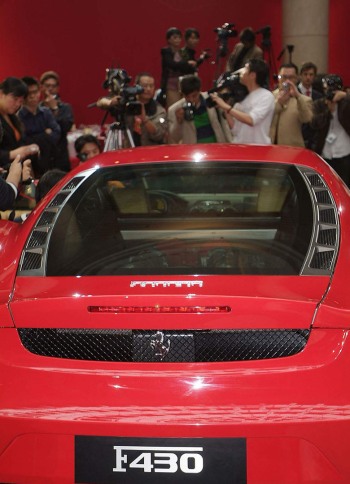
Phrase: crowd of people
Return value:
(303, 109)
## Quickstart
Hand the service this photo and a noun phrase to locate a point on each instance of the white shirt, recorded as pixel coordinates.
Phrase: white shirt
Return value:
(337, 143)
(260, 105)
(303, 90)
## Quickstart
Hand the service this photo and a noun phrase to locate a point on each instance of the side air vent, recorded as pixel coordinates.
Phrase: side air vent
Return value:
(72, 184)
(37, 238)
(59, 199)
(325, 242)
(327, 237)
(323, 196)
(316, 180)
(327, 216)
(46, 218)
(322, 260)
(33, 259)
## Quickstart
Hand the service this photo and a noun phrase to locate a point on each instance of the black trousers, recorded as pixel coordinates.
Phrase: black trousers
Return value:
(342, 167)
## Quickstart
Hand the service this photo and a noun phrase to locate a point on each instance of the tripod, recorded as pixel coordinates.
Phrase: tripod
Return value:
(266, 45)
(118, 136)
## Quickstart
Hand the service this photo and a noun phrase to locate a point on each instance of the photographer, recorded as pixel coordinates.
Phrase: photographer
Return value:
(150, 126)
(12, 93)
(331, 122)
(17, 173)
(188, 52)
(292, 109)
(192, 121)
(143, 116)
(87, 146)
(251, 118)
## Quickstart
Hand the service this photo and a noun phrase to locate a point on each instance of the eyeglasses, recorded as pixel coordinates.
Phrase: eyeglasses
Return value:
(145, 86)
(50, 84)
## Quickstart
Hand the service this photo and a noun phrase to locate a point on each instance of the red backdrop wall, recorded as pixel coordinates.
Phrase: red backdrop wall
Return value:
(80, 40)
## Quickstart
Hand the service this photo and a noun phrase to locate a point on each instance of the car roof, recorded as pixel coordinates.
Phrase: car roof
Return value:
(207, 152)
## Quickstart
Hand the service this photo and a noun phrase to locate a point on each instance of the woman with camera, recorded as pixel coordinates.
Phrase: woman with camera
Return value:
(12, 94)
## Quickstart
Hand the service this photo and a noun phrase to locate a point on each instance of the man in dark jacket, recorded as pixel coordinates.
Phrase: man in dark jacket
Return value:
(40, 127)
(62, 112)
(332, 123)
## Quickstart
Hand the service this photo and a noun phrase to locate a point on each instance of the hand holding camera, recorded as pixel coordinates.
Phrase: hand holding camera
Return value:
(19, 171)
(219, 101)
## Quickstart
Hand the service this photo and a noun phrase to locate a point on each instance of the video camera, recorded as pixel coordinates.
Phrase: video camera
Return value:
(229, 88)
(117, 82)
(332, 83)
(224, 33)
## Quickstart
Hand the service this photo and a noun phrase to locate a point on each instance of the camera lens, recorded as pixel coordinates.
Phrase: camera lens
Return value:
(188, 111)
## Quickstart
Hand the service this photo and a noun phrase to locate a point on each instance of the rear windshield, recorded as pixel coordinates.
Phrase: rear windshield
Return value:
(184, 218)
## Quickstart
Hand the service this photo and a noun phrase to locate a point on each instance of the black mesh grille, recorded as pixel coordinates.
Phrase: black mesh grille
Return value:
(31, 261)
(327, 216)
(327, 237)
(316, 181)
(37, 238)
(322, 260)
(323, 197)
(165, 346)
(46, 218)
(59, 199)
(73, 183)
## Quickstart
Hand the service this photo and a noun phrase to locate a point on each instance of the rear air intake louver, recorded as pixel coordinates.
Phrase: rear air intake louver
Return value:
(180, 346)
(324, 246)
(34, 255)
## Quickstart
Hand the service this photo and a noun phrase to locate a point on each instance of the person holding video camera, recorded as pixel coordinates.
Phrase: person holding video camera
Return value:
(250, 118)
(331, 122)
(191, 120)
(135, 108)
(150, 126)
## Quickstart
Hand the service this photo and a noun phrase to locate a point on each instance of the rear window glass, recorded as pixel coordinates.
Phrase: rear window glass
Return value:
(184, 218)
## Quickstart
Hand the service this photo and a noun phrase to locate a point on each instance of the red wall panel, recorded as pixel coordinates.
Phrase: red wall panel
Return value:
(79, 40)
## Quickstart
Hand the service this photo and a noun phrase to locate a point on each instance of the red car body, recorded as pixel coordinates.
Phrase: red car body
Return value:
(278, 420)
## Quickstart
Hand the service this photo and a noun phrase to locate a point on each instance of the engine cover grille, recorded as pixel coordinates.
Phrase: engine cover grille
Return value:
(164, 345)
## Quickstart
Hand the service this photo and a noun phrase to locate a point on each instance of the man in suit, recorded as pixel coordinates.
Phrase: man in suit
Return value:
(62, 112)
(308, 72)
(292, 109)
